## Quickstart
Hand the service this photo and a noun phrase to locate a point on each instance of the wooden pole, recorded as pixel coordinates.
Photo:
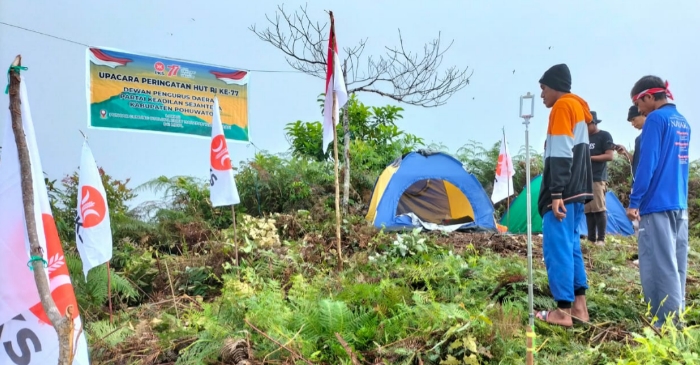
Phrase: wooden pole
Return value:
(508, 167)
(530, 349)
(62, 325)
(235, 236)
(109, 292)
(337, 184)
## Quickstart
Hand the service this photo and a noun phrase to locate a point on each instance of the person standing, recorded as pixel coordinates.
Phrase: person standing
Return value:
(602, 151)
(637, 120)
(566, 186)
(659, 199)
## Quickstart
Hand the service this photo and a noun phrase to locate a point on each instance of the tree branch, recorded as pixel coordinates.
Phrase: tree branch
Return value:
(62, 325)
(398, 74)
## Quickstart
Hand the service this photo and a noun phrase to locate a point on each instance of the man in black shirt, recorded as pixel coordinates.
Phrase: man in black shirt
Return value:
(602, 148)
(637, 120)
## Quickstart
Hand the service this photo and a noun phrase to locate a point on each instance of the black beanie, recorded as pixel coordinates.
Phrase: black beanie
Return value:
(633, 112)
(558, 77)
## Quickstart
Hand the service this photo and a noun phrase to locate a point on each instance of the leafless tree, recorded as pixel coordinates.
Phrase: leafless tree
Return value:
(401, 75)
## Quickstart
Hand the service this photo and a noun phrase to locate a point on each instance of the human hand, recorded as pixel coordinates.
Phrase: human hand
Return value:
(558, 209)
(620, 149)
(633, 214)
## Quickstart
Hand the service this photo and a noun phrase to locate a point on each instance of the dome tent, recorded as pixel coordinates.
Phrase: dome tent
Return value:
(430, 190)
(618, 223)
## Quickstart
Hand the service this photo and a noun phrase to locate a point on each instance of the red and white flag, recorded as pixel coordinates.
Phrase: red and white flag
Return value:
(222, 190)
(503, 186)
(335, 84)
(25, 330)
(93, 231)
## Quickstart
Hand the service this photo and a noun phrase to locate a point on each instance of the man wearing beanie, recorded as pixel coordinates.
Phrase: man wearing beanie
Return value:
(602, 150)
(567, 184)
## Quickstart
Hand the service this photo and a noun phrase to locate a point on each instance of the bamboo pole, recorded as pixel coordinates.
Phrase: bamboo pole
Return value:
(62, 324)
(109, 292)
(337, 184)
(235, 238)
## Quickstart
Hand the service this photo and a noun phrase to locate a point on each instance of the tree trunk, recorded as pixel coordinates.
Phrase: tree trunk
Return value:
(346, 148)
(62, 325)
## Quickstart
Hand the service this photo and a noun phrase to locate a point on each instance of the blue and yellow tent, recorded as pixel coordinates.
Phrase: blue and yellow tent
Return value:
(435, 188)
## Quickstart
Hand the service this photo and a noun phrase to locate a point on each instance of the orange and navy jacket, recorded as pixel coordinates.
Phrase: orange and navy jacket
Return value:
(567, 158)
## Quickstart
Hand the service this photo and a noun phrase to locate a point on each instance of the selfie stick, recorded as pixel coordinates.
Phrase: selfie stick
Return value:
(530, 342)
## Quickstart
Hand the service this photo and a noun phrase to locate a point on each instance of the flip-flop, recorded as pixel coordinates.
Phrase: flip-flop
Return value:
(543, 315)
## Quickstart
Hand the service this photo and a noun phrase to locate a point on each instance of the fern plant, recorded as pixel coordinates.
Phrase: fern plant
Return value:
(93, 294)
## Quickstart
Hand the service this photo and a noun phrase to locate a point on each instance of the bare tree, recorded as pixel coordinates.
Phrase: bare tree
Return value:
(62, 324)
(410, 78)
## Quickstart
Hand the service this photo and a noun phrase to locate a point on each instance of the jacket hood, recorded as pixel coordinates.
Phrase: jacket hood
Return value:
(586, 109)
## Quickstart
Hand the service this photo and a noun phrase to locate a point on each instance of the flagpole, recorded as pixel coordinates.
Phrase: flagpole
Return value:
(109, 292)
(337, 183)
(334, 121)
(235, 237)
(508, 170)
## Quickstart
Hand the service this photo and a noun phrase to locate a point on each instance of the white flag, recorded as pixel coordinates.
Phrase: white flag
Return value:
(222, 190)
(334, 82)
(503, 186)
(93, 232)
(26, 334)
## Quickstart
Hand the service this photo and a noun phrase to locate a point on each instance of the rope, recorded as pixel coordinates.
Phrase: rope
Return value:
(36, 258)
(88, 46)
(17, 69)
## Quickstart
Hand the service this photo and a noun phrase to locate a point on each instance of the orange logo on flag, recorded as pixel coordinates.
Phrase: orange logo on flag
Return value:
(219, 156)
(501, 165)
(92, 207)
(62, 289)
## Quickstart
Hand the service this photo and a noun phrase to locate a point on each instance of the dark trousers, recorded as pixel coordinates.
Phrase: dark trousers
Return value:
(597, 225)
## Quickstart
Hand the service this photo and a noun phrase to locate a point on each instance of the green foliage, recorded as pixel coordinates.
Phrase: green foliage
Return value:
(371, 129)
(405, 298)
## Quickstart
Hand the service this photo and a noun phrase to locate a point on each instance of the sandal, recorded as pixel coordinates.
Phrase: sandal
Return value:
(544, 315)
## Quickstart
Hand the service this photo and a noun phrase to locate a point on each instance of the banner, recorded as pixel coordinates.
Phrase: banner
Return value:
(153, 94)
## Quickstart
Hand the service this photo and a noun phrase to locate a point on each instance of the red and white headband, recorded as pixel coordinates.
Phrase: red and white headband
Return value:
(653, 91)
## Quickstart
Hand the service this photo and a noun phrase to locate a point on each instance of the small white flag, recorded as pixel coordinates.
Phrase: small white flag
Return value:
(222, 190)
(503, 185)
(334, 83)
(93, 231)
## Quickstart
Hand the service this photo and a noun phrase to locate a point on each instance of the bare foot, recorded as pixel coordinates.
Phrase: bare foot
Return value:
(561, 317)
(579, 309)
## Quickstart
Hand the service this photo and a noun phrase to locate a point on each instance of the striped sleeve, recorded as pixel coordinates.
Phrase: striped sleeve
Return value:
(560, 145)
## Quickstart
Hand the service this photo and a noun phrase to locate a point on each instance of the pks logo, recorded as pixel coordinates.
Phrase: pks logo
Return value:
(103, 114)
(502, 167)
(220, 159)
(59, 278)
(160, 68)
(92, 210)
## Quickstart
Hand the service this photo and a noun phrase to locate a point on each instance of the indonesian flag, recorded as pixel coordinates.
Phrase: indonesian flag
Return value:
(503, 186)
(25, 330)
(93, 233)
(334, 83)
(223, 190)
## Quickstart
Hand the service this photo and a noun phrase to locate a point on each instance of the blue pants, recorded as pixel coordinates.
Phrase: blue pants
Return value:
(561, 246)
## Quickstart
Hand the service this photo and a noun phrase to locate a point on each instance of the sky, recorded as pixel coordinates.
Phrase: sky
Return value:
(608, 45)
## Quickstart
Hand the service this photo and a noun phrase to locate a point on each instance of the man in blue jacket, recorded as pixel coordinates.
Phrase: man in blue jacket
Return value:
(659, 199)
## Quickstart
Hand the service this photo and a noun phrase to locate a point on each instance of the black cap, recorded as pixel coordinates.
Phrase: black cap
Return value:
(595, 118)
(558, 77)
(633, 112)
